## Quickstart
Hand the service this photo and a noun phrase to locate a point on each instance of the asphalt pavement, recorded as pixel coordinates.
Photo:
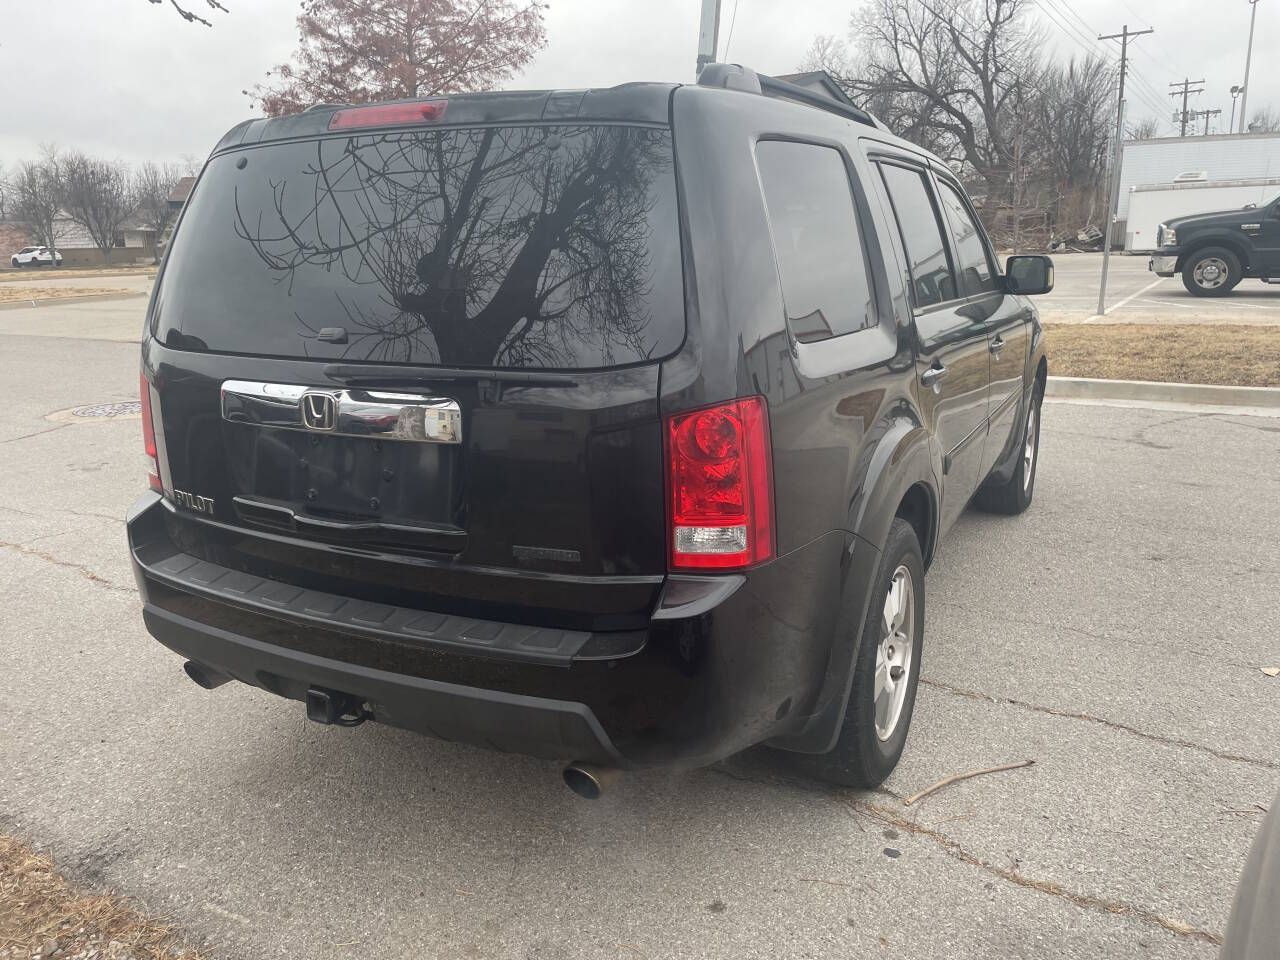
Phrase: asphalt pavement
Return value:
(1136, 295)
(1114, 634)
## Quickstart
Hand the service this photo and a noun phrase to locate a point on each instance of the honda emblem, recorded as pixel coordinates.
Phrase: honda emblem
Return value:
(319, 411)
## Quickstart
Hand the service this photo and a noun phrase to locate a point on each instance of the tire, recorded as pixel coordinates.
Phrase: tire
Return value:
(871, 740)
(1014, 495)
(1211, 272)
(16, 264)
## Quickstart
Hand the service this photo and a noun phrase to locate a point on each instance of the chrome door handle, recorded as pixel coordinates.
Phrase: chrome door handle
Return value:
(932, 376)
(996, 345)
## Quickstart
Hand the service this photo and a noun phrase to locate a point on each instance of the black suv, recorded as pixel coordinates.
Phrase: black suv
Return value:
(614, 426)
(1215, 251)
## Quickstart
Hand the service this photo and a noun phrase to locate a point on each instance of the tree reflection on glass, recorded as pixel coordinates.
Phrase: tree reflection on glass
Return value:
(497, 246)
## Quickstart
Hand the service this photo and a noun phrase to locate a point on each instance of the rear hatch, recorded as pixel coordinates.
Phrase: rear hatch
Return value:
(421, 366)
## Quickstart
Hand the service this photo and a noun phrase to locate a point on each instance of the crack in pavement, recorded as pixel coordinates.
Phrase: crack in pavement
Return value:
(1113, 724)
(1087, 901)
(38, 433)
(62, 510)
(953, 848)
(80, 568)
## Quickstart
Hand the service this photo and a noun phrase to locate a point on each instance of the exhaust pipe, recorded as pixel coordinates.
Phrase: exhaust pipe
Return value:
(588, 780)
(203, 676)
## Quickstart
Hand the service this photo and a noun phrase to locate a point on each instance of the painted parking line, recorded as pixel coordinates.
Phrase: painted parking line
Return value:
(1114, 307)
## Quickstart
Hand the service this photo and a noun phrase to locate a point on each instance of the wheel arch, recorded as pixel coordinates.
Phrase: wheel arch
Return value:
(1227, 241)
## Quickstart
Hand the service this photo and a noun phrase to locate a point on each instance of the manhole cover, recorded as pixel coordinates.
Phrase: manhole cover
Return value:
(125, 408)
(99, 412)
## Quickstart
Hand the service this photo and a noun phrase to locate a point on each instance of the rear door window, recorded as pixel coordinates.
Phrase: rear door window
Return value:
(932, 280)
(526, 246)
(976, 272)
(822, 265)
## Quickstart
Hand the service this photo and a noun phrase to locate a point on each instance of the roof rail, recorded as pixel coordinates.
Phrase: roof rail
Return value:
(733, 76)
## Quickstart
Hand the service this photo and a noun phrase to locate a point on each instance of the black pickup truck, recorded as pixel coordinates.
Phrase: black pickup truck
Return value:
(1215, 251)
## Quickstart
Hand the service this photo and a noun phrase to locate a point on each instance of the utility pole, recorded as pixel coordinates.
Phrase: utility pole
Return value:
(1248, 57)
(1206, 114)
(1184, 93)
(1116, 158)
(708, 33)
(1235, 95)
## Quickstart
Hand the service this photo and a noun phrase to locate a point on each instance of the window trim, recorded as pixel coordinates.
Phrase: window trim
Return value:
(988, 251)
(944, 229)
(874, 265)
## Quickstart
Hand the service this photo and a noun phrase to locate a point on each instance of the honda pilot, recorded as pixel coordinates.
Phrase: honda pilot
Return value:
(615, 426)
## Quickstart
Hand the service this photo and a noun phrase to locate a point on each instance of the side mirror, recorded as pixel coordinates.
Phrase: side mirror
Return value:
(1028, 275)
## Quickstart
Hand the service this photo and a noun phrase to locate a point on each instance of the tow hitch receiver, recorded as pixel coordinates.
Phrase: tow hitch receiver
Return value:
(335, 709)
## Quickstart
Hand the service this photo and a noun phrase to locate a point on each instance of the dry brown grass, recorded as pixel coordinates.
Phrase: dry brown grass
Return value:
(44, 915)
(73, 273)
(1227, 354)
(14, 294)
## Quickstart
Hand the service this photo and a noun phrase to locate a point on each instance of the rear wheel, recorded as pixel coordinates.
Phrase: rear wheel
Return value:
(15, 262)
(1211, 272)
(1014, 495)
(885, 674)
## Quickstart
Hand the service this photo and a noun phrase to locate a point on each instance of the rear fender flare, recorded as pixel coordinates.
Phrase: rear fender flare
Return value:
(904, 457)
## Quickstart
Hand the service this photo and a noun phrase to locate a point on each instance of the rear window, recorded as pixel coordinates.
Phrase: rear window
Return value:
(821, 261)
(539, 246)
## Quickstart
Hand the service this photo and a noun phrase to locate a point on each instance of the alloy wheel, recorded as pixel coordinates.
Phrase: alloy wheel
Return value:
(1029, 448)
(895, 651)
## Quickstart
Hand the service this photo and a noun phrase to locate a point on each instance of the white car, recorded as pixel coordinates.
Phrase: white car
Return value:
(34, 257)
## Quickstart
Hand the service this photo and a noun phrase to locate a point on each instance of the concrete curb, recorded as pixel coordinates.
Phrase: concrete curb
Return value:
(1084, 388)
(54, 301)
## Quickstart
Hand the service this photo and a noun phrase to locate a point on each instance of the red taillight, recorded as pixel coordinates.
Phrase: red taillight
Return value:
(149, 435)
(720, 486)
(389, 114)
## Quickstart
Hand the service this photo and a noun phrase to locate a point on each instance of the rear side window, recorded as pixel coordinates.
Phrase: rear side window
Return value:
(931, 278)
(821, 262)
(976, 273)
(525, 246)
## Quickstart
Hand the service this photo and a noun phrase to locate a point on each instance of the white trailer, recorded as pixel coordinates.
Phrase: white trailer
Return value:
(1154, 203)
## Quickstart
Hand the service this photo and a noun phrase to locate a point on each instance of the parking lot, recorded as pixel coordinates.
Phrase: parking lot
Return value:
(1136, 295)
(1113, 634)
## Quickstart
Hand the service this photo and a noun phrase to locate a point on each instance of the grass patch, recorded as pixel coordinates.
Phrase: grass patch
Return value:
(22, 293)
(1226, 354)
(44, 915)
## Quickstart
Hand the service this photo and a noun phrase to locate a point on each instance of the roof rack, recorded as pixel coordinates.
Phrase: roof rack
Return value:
(733, 76)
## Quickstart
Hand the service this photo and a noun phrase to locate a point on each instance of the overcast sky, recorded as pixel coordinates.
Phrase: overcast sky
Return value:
(127, 78)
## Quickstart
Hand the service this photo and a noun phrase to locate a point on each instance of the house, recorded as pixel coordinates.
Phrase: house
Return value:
(134, 243)
(181, 190)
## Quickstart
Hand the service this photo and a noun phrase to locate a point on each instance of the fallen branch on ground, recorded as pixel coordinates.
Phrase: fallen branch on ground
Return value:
(964, 776)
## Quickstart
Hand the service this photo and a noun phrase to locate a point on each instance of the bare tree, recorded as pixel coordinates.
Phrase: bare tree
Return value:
(98, 195)
(37, 197)
(190, 163)
(152, 185)
(190, 17)
(356, 51)
(1266, 120)
(1147, 128)
(6, 193)
(949, 74)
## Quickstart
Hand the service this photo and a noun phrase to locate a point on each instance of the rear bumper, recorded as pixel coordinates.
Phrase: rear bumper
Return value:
(1163, 266)
(726, 662)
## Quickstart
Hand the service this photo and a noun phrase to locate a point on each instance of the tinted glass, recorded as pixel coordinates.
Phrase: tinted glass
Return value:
(976, 275)
(821, 262)
(931, 279)
(537, 246)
